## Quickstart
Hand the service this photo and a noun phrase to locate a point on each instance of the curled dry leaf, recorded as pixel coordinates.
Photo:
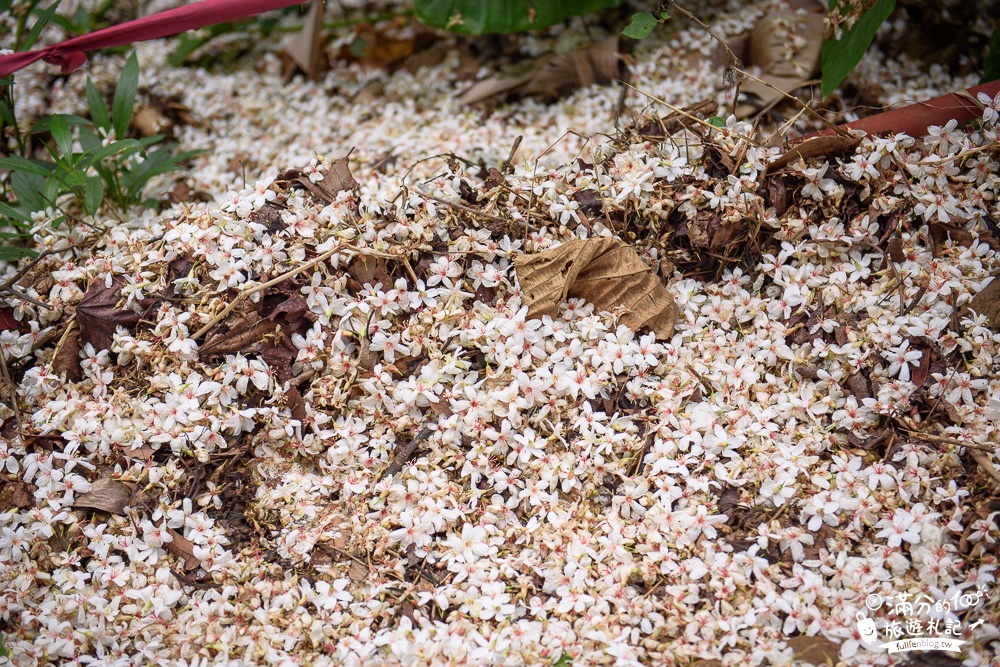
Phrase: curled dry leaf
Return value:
(785, 64)
(106, 495)
(821, 146)
(608, 273)
(554, 75)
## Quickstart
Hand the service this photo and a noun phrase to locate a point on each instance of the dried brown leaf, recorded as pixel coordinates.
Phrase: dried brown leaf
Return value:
(106, 495)
(814, 650)
(182, 547)
(67, 356)
(606, 272)
(370, 270)
(245, 335)
(100, 313)
(357, 572)
(987, 303)
(149, 120)
(16, 494)
(554, 75)
(767, 49)
(337, 179)
(821, 146)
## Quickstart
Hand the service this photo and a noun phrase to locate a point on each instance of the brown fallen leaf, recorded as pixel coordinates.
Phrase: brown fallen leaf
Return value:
(554, 75)
(182, 547)
(357, 572)
(245, 335)
(102, 311)
(814, 650)
(67, 355)
(608, 273)
(306, 49)
(783, 69)
(821, 146)
(661, 128)
(149, 120)
(987, 303)
(336, 179)
(106, 495)
(16, 494)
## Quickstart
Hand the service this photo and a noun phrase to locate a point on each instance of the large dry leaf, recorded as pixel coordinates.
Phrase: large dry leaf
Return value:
(554, 75)
(102, 311)
(768, 49)
(987, 303)
(606, 272)
(107, 495)
(306, 48)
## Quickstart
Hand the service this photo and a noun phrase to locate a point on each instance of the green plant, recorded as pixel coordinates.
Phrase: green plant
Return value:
(842, 53)
(105, 170)
(502, 16)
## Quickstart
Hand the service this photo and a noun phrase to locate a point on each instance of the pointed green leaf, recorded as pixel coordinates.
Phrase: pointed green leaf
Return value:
(9, 253)
(45, 124)
(36, 30)
(93, 195)
(98, 109)
(641, 26)
(110, 150)
(124, 100)
(18, 163)
(841, 56)
(16, 215)
(28, 189)
(63, 138)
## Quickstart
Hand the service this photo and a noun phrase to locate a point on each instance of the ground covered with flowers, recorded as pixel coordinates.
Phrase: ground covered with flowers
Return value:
(309, 421)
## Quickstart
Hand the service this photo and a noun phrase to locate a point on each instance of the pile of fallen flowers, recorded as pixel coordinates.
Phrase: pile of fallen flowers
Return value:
(312, 422)
(577, 488)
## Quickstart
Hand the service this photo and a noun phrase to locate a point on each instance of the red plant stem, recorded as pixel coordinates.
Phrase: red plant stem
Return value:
(71, 54)
(915, 119)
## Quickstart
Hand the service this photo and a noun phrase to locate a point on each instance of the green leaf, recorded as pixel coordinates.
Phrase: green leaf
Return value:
(121, 105)
(75, 178)
(186, 45)
(478, 17)
(110, 150)
(90, 142)
(18, 163)
(9, 253)
(641, 26)
(157, 162)
(63, 138)
(36, 30)
(841, 56)
(18, 217)
(991, 66)
(98, 109)
(7, 113)
(45, 124)
(93, 195)
(28, 188)
(565, 660)
(717, 121)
